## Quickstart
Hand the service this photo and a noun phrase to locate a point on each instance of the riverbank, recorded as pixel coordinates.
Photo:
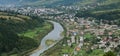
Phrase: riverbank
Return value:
(36, 34)
(56, 46)
(55, 34)
(41, 32)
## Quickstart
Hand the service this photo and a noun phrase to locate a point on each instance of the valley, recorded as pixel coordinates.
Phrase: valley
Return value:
(60, 28)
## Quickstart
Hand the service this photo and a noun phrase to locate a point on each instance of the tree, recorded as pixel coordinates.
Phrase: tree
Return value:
(109, 53)
(8, 39)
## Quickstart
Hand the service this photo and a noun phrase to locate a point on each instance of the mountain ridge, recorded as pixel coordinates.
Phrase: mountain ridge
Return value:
(55, 3)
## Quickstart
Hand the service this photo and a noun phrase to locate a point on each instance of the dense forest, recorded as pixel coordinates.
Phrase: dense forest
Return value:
(10, 26)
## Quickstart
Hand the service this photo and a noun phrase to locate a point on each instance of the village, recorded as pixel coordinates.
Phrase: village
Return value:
(88, 34)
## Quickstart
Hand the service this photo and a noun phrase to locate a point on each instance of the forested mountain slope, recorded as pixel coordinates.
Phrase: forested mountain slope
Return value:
(107, 10)
(10, 25)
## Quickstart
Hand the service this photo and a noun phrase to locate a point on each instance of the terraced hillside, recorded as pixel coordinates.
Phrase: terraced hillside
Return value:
(101, 2)
(19, 22)
(107, 9)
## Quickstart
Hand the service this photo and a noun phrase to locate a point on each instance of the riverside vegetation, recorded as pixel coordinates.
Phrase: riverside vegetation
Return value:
(19, 33)
(108, 12)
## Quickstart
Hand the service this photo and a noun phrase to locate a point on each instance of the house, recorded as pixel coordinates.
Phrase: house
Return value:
(65, 55)
(69, 42)
(73, 39)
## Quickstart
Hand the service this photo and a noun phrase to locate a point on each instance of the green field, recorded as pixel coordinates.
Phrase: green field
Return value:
(22, 33)
(37, 34)
(50, 42)
(37, 31)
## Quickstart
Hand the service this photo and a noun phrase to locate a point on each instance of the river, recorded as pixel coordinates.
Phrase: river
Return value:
(55, 34)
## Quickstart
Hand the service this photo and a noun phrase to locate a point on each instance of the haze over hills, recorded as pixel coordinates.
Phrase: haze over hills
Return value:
(15, 2)
(49, 3)
(54, 2)
(38, 2)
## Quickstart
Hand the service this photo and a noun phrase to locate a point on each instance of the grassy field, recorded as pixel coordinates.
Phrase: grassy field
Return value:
(37, 31)
(37, 34)
(10, 16)
(108, 2)
(88, 35)
(30, 30)
(49, 42)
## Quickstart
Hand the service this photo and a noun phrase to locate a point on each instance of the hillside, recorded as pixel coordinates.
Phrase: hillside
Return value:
(15, 2)
(13, 23)
(101, 2)
(107, 10)
(72, 2)
(18, 22)
(53, 3)
(47, 3)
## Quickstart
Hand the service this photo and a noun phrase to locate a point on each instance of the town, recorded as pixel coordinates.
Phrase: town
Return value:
(83, 34)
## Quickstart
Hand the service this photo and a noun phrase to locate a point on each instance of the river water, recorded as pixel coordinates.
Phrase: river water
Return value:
(55, 34)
